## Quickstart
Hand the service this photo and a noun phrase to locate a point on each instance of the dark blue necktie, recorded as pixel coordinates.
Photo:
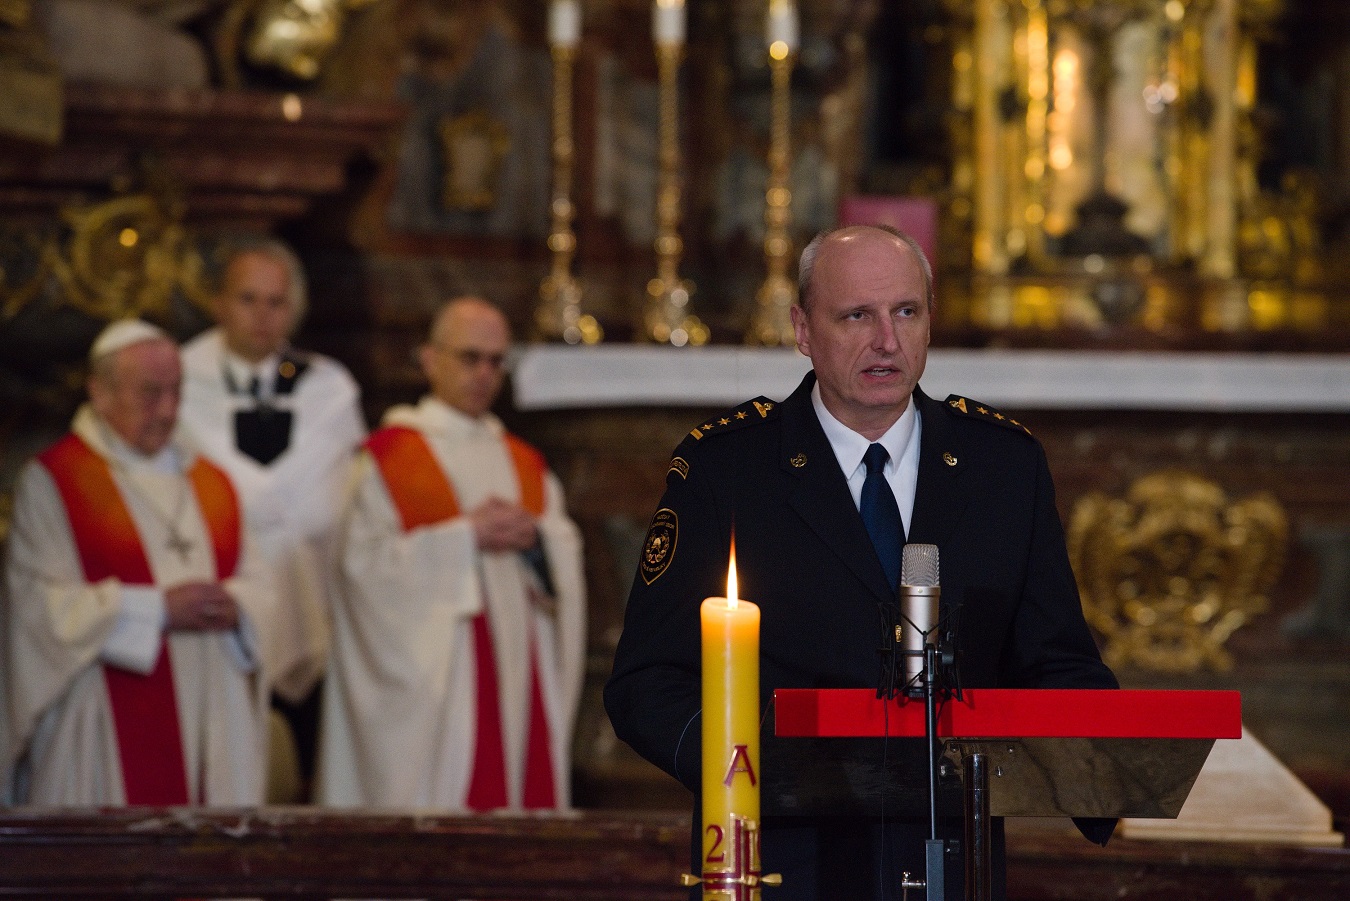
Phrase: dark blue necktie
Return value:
(881, 514)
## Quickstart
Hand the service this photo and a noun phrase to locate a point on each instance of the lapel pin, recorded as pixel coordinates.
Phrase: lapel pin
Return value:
(798, 460)
(948, 459)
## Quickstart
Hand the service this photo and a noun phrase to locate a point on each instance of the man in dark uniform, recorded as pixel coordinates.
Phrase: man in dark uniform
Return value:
(790, 478)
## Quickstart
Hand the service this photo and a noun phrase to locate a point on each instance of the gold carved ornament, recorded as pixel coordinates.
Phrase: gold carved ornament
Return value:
(293, 37)
(1169, 571)
(126, 257)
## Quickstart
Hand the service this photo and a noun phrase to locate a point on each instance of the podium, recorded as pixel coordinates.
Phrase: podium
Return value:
(1005, 752)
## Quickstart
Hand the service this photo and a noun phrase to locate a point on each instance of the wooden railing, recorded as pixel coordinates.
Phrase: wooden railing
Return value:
(310, 853)
(590, 856)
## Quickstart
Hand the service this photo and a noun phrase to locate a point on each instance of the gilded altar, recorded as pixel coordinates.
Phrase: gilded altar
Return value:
(1105, 172)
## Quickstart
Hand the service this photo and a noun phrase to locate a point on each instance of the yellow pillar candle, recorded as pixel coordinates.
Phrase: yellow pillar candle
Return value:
(730, 630)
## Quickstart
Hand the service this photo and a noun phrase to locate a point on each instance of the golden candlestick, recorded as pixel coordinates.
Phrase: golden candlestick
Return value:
(667, 319)
(559, 313)
(1219, 258)
(772, 323)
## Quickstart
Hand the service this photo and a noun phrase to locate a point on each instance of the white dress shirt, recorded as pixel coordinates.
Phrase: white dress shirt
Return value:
(901, 441)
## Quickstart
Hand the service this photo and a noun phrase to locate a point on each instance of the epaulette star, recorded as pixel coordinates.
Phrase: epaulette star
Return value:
(757, 410)
(975, 410)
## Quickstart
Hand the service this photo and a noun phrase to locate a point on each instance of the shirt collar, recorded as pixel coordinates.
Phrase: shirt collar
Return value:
(849, 446)
(98, 434)
(439, 416)
(241, 372)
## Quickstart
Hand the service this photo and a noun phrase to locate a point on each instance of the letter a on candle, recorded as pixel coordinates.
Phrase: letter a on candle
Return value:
(740, 763)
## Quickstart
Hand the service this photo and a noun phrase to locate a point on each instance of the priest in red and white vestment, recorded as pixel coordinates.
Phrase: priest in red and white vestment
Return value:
(459, 633)
(133, 608)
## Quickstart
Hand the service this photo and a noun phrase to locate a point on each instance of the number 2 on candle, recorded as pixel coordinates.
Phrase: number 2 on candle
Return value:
(714, 856)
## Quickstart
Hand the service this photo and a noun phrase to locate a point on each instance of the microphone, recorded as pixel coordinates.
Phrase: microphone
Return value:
(918, 594)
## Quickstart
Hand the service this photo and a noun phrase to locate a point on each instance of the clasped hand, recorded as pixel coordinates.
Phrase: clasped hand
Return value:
(200, 606)
(501, 526)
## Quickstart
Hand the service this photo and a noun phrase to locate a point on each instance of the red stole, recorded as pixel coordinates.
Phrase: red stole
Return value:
(144, 708)
(422, 495)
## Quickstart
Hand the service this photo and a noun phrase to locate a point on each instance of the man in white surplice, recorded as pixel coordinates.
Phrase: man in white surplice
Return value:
(459, 635)
(135, 605)
(286, 425)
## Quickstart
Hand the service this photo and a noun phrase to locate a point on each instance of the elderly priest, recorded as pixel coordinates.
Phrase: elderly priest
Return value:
(134, 607)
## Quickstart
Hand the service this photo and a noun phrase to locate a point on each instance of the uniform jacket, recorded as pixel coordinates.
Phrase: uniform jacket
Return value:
(984, 497)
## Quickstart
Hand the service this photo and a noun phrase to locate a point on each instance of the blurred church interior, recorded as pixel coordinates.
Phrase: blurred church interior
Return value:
(1138, 210)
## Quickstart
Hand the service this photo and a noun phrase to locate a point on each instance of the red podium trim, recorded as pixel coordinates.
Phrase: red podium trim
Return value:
(1012, 713)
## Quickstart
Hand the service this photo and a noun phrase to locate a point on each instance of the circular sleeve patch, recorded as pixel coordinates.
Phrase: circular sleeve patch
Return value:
(659, 548)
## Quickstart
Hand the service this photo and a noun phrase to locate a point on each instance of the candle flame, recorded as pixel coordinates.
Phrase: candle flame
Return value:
(731, 576)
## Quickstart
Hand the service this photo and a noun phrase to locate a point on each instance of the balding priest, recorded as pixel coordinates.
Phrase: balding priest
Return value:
(459, 633)
(131, 658)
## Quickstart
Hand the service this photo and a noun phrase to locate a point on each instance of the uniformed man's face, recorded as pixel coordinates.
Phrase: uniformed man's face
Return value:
(254, 306)
(866, 331)
(465, 361)
(137, 395)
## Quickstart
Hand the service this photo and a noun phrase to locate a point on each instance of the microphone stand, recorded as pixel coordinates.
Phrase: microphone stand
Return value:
(930, 684)
(975, 778)
(935, 848)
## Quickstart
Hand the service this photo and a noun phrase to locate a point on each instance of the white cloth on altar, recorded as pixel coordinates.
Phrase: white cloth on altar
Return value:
(59, 629)
(293, 505)
(400, 704)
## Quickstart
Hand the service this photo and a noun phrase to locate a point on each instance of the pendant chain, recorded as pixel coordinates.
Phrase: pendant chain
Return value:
(177, 542)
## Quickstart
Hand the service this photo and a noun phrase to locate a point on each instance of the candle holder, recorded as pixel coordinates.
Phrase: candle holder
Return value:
(771, 324)
(743, 880)
(559, 315)
(667, 319)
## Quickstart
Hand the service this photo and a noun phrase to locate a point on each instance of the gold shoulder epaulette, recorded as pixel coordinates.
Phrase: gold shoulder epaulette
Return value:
(976, 410)
(748, 413)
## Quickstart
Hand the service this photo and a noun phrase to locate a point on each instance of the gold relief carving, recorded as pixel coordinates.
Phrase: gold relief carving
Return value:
(473, 147)
(1172, 569)
(294, 37)
(125, 257)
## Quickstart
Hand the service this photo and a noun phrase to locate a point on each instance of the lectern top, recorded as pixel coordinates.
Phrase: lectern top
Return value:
(1012, 713)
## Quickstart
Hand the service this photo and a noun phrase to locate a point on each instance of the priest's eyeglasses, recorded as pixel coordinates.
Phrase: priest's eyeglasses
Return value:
(470, 358)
